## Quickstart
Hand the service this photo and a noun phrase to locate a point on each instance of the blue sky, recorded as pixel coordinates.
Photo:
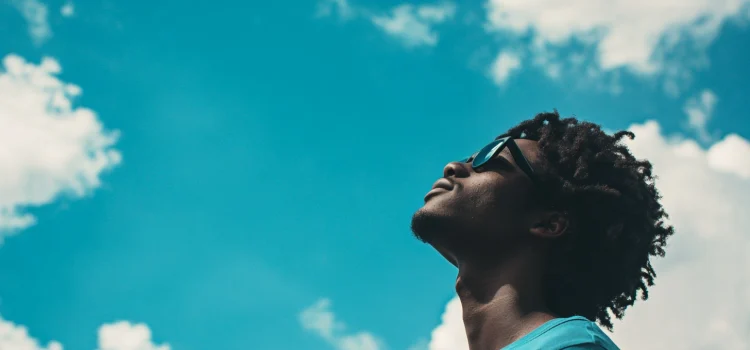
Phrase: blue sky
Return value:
(241, 175)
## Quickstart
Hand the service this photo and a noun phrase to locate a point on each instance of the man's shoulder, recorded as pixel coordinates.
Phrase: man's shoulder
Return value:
(572, 333)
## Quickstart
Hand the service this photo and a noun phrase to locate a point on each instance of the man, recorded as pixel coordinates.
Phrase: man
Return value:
(552, 227)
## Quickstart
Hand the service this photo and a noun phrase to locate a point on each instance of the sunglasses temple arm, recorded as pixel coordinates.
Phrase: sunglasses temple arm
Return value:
(518, 155)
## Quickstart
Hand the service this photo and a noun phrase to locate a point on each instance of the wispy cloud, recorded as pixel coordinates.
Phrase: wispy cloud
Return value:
(505, 64)
(67, 10)
(699, 110)
(413, 25)
(638, 36)
(341, 7)
(320, 320)
(706, 192)
(35, 13)
(76, 149)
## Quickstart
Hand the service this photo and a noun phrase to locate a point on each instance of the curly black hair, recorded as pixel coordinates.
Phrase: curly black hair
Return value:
(616, 222)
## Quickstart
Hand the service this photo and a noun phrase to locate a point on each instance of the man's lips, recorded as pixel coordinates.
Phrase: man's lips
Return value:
(442, 185)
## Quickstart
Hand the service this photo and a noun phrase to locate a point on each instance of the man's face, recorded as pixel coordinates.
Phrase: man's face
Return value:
(473, 210)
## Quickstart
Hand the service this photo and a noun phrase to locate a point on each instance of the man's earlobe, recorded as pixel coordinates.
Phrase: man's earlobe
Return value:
(550, 225)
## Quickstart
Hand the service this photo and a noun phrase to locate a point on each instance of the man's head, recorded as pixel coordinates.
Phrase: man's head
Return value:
(588, 208)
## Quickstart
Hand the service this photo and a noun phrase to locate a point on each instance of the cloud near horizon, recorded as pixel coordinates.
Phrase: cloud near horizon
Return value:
(121, 335)
(124, 335)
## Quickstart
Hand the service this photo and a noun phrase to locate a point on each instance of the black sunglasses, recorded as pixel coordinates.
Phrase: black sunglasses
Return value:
(488, 152)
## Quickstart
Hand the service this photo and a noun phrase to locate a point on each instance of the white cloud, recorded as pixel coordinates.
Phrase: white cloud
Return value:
(121, 335)
(450, 334)
(16, 337)
(702, 295)
(319, 319)
(48, 147)
(504, 65)
(626, 33)
(724, 156)
(699, 110)
(67, 10)
(436, 13)
(35, 13)
(342, 7)
(413, 25)
(640, 35)
(124, 335)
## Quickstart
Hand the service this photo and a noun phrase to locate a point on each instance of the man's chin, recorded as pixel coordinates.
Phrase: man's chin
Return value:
(439, 231)
(430, 227)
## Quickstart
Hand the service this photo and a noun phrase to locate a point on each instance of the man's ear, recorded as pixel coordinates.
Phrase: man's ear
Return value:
(551, 224)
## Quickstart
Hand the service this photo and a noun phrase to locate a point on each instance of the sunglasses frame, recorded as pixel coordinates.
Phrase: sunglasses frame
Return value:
(497, 146)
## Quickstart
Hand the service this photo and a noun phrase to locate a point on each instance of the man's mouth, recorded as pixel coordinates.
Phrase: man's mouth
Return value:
(443, 183)
(441, 186)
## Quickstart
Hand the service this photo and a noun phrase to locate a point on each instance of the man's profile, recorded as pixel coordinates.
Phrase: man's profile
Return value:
(552, 227)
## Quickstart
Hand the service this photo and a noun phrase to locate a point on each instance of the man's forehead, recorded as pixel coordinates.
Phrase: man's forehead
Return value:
(526, 143)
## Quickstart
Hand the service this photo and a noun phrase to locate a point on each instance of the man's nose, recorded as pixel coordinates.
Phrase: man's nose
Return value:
(456, 169)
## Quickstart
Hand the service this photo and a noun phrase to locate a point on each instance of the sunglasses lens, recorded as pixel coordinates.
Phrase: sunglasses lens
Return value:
(488, 152)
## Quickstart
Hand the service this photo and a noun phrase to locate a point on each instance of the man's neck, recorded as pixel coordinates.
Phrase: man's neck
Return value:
(501, 303)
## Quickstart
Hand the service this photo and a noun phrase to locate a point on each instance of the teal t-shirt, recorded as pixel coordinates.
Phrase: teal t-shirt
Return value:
(572, 333)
